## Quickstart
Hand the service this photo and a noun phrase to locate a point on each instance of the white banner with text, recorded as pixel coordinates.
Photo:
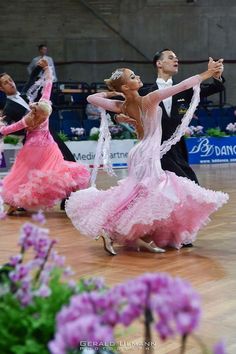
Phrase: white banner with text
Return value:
(84, 151)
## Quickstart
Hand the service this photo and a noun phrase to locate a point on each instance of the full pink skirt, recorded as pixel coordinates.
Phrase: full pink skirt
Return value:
(40, 177)
(170, 210)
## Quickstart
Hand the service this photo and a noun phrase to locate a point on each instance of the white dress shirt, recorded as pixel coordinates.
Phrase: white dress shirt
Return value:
(18, 99)
(161, 83)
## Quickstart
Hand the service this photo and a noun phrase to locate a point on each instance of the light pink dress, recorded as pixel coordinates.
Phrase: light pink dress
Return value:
(150, 201)
(40, 176)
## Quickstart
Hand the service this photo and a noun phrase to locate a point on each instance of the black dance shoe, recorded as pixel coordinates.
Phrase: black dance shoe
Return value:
(188, 245)
(63, 203)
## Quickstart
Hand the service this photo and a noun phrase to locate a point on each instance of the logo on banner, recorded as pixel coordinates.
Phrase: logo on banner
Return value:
(212, 150)
(204, 148)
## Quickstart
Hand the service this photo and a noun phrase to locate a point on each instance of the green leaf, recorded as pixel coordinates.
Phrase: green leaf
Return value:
(93, 137)
(63, 136)
(11, 139)
(29, 329)
(216, 132)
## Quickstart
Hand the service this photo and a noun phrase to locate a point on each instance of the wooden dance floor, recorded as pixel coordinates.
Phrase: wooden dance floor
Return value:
(210, 266)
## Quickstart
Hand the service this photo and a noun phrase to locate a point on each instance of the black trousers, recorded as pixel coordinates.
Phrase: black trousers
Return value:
(67, 154)
(179, 167)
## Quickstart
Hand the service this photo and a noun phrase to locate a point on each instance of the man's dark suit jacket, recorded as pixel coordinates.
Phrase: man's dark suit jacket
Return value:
(176, 160)
(13, 112)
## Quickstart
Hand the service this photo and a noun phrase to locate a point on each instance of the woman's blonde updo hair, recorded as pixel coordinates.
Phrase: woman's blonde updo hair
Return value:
(45, 106)
(116, 80)
(37, 119)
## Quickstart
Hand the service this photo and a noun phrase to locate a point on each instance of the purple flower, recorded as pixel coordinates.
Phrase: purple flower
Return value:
(27, 236)
(24, 295)
(79, 305)
(177, 308)
(56, 259)
(96, 283)
(77, 131)
(45, 276)
(192, 130)
(173, 303)
(31, 279)
(219, 348)
(198, 130)
(35, 263)
(14, 260)
(43, 291)
(26, 284)
(164, 330)
(86, 331)
(20, 272)
(68, 272)
(130, 299)
(42, 245)
(72, 284)
(39, 217)
(189, 131)
(115, 130)
(231, 127)
(36, 237)
(3, 214)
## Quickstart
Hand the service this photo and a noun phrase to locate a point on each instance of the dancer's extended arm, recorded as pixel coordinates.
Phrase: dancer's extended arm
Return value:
(5, 130)
(159, 95)
(102, 99)
(47, 88)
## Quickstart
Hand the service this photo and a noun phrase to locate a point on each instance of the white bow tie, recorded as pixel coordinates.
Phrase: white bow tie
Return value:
(164, 83)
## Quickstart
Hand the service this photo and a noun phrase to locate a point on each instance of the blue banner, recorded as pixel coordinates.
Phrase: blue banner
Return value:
(205, 150)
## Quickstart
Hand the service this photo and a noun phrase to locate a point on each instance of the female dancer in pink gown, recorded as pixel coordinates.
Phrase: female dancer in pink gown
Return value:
(150, 204)
(40, 176)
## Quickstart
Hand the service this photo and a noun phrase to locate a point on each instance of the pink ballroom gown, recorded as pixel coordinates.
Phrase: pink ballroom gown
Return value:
(40, 177)
(149, 201)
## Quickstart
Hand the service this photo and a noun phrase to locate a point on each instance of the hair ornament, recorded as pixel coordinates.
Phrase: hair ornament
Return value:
(116, 74)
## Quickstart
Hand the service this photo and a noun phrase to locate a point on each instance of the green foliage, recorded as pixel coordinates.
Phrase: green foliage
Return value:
(216, 132)
(63, 136)
(27, 330)
(127, 135)
(94, 136)
(11, 139)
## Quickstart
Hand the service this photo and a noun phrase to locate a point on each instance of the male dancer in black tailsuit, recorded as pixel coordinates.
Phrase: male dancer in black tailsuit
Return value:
(173, 109)
(17, 104)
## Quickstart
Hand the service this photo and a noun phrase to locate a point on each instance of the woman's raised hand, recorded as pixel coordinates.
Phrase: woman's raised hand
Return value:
(215, 66)
(213, 70)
